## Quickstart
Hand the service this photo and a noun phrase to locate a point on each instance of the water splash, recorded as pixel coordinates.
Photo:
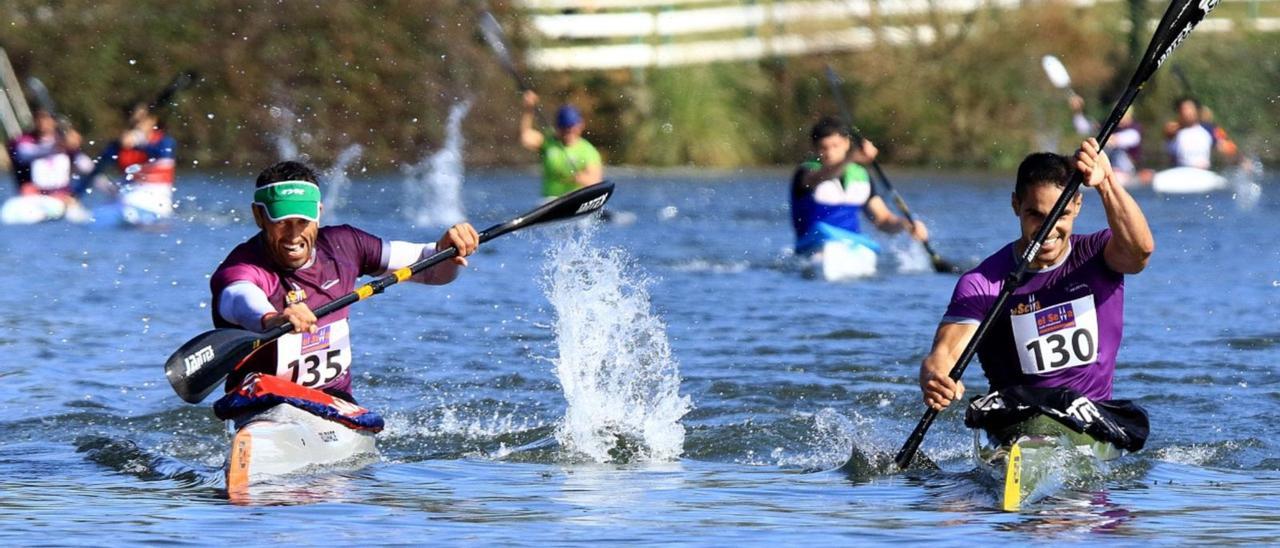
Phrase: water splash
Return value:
(336, 181)
(1244, 182)
(910, 255)
(615, 365)
(286, 147)
(433, 186)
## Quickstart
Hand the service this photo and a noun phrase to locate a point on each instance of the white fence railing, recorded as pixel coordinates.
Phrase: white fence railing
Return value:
(663, 33)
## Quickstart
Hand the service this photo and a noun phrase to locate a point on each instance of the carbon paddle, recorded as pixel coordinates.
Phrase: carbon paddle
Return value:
(201, 364)
(181, 82)
(1178, 21)
(939, 264)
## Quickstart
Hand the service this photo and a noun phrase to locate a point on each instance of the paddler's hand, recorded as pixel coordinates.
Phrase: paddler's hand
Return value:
(938, 388)
(864, 154)
(302, 318)
(1094, 164)
(917, 230)
(462, 236)
(530, 100)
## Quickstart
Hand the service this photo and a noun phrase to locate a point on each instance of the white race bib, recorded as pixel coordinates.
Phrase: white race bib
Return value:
(314, 360)
(53, 172)
(1057, 337)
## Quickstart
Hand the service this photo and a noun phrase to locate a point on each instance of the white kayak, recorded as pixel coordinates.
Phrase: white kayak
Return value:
(841, 255)
(1187, 180)
(38, 208)
(137, 205)
(285, 440)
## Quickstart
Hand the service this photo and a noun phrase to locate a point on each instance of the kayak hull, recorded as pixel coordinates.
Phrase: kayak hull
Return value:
(284, 440)
(1043, 456)
(1187, 180)
(838, 255)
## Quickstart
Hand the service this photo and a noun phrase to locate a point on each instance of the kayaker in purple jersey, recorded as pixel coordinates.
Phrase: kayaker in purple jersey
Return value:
(1063, 326)
(294, 265)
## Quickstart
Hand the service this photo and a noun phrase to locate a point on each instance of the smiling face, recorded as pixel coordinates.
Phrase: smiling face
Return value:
(290, 242)
(1033, 209)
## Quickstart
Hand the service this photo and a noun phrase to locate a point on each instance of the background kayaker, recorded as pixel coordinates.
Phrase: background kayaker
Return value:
(47, 159)
(1064, 325)
(1192, 140)
(569, 161)
(144, 152)
(833, 188)
(294, 265)
(1124, 148)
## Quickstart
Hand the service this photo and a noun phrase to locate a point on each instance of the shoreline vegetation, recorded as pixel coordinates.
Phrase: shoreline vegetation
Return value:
(384, 76)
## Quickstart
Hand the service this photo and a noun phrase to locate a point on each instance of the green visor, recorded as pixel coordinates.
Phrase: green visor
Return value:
(289, 199)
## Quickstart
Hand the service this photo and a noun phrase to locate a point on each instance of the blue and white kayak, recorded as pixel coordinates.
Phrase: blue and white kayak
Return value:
(839, 255)
(1187, 180)
(137, 205)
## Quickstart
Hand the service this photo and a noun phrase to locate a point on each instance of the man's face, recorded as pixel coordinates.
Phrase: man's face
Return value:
(1033, 209)
(290, 242)
(832, 149)
(1188, 114)
(45, 124)
(568, 135)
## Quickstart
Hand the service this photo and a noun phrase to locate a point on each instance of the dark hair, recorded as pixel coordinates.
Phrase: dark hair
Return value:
(1042, 168)
(827, 127)
(1178, 103)
(287, 170)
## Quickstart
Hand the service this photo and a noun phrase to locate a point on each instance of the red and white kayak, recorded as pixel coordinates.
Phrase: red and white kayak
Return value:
(284, 440)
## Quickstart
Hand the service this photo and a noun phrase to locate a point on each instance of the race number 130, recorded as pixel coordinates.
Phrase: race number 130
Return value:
(1057, 337)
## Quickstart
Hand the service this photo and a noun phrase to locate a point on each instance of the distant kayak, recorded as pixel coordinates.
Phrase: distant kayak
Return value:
(1187, 180)
(838, 255)
(39, 208)
(137, 205)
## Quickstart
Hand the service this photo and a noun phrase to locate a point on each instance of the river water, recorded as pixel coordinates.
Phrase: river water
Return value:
(670, 380)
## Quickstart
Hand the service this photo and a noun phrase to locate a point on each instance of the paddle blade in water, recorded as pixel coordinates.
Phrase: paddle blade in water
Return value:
(1056, 71)
(201, 364)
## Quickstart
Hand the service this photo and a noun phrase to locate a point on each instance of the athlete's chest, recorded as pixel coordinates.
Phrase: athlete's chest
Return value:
(834, 192)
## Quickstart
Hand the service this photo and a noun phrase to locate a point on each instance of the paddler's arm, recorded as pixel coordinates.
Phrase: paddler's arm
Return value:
(530, 137)
(1131, 243)
(886, 221)
(935, 381)
(399, 254)
(245, 304)
(858, 154)
(591, 174)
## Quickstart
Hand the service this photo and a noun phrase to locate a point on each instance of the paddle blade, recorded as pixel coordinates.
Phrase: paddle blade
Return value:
(493, 36)
(1056, 71)
(583, 201)
(41, 95)
(1178, 21)
(180, 82)
(201, 364)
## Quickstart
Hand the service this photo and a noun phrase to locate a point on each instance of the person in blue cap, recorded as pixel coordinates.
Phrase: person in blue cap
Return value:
(569, 162)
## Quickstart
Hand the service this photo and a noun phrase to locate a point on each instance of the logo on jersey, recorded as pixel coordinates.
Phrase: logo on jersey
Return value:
(312, 342)
(1055, 318)
(294, 297)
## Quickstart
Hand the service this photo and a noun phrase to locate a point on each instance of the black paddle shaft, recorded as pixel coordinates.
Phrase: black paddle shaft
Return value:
(1179, 20)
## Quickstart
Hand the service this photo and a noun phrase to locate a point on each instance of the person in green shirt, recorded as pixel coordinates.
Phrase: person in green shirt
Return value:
(569, 162)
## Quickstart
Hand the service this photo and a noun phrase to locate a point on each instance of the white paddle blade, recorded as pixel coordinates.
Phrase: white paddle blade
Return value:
(1056, 71)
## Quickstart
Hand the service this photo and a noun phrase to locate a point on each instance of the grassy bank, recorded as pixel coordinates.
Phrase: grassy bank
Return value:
(384, 76)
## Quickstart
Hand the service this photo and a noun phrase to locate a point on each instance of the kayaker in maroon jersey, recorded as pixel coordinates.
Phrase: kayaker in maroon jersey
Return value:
(293, 265)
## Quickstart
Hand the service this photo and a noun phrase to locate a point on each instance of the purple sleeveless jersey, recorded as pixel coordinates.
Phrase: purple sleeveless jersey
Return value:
(342, 254)
(1063, 327)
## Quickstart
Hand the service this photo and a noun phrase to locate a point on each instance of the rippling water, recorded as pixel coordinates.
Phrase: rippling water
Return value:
(780, 376)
